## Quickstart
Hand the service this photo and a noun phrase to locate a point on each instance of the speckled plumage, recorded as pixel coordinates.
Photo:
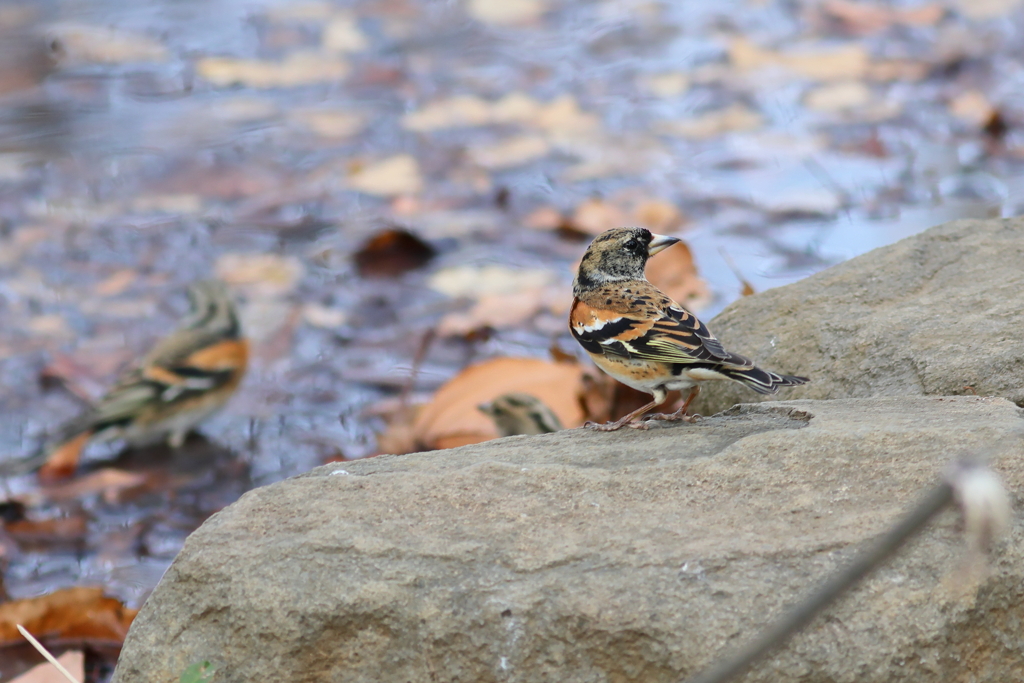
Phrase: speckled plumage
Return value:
(644, 339)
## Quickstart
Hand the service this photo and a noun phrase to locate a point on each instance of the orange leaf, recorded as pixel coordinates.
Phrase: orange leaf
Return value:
(452, 419)
(77, 612)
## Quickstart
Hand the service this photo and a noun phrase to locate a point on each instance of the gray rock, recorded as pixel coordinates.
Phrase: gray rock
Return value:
(930, 315)
(582, 556)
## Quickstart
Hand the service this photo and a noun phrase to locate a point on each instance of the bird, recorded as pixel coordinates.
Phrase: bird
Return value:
(184, 379)
(519, 413)
(642, 338)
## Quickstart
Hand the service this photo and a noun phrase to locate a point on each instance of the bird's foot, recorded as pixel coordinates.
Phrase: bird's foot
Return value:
(611, 426)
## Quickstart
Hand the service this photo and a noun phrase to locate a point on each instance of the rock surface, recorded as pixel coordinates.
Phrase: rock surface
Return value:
(582, 556)
(930, 315)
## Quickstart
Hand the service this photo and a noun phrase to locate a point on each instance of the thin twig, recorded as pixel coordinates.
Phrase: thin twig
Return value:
(43, 651)
(738, 662)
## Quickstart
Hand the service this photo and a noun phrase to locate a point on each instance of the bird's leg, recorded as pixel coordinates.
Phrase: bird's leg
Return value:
(681, 413)
(659, 398)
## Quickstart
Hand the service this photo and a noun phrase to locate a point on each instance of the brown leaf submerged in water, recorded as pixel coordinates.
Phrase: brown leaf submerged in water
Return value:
(79, 612)
(392, 252)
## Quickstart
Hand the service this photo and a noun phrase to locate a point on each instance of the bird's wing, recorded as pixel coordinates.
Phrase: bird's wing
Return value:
(668, 334)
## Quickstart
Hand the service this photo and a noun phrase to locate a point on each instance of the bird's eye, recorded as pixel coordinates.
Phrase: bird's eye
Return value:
(632, 245)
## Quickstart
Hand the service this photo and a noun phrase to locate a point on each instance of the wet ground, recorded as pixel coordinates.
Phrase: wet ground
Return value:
(143, 146)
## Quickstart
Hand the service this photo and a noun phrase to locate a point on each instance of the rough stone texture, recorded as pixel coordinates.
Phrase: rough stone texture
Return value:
(581, 556)
(929, 315)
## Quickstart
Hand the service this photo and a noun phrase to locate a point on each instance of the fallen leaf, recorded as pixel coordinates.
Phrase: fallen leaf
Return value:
(49, 325)
(451, 417)
(864, 17)
(506, 12)
(835, 97)
(45, 533)
(657, 215)
(544, 218)
(505, 310)
(457, 112)
(666, 85)
(595, 216)
(103, 45)
(510, 153)
(473, 282)
(78, 612)
(334, 124)
(265, 274)
(117, 282)
(674, 272)
(734, 118)
(563, 116)
(297, 69)
(324, 317)
(342, 35)
(972, 107)
(819, 63)
(392, 252)
(73, 662)
(389, 177)
(110, 482)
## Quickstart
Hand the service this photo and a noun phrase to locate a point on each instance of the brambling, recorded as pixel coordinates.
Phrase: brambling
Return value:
(518, 413)
(644, 339)
(184, 379)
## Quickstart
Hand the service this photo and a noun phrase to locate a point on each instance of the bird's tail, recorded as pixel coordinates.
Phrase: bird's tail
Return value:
(762, 381)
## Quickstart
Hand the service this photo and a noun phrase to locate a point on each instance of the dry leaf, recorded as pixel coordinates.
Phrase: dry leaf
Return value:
(731, 119)
(389, 177)
(671, 84)
(849, 62)
(595, 216)
(544, 218)
(342, 34)
(510, 309)
(464, 110)
(510, 153)
(44, 533)
(506, 12)
(972, 107)
(863, 17)
(103, 45)
(77, 612)
(674, 272)
(451, 418)
(327, 123)
(73, 662)
(657, 215)
(473, 282)
(117, 282)
(392, 252)
(298, 68)
(264, 274)
(323, 317)
(109, 481)
(835, 97)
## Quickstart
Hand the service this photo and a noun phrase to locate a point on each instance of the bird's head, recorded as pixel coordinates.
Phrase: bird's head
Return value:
(619, 255)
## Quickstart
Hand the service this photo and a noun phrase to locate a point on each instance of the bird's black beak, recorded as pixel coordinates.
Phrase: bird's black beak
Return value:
(659, 243)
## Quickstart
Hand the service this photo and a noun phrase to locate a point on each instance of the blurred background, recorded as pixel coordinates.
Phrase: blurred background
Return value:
(396, 189)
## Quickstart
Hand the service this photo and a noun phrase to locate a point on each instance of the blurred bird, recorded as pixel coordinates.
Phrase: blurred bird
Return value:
(187, 377)
(644, 339)
(519, 413)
